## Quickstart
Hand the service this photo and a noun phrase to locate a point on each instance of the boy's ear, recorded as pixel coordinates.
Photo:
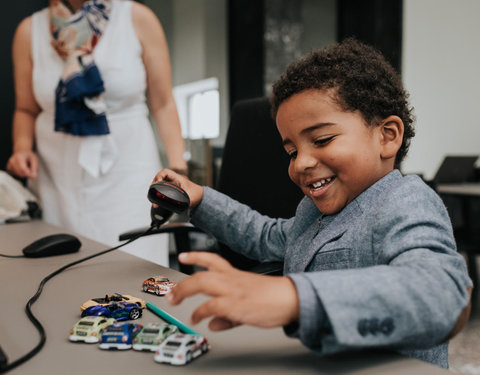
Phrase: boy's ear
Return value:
(391, 130)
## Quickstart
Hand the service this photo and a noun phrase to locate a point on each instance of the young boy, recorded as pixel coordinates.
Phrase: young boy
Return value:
(370, 258)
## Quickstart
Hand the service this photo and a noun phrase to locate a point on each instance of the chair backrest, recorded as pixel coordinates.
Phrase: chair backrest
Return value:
(254, 166)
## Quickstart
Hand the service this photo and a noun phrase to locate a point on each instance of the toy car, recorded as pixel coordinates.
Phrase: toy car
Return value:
(180, 349)
(159, 285)
(152, 335)
(115, 297)
(119, 336)
(89, 328)
(117, 310)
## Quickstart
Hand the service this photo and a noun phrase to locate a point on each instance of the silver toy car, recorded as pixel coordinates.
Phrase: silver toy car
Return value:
(180, 349)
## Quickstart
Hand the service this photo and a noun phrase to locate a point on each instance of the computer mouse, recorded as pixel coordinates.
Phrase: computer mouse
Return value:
(55, 244)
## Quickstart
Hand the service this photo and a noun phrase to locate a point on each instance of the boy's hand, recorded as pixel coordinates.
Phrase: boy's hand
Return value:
(194, 191)
(237, 297)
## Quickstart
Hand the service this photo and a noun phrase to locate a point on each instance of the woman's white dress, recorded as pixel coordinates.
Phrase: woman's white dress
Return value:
(97, 186)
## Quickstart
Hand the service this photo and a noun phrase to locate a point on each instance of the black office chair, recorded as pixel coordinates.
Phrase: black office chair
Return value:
(254, 171)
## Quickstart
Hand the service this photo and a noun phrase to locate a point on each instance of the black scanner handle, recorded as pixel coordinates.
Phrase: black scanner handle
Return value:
(169, 198)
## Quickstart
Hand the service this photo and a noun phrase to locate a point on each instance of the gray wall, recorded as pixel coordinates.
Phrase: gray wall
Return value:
(441, 61)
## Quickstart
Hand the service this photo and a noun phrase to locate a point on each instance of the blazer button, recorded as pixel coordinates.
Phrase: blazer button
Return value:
(363, 327)
(374, 326)
(387, 326)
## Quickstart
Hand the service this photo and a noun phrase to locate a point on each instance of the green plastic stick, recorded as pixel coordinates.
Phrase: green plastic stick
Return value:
(170, 319)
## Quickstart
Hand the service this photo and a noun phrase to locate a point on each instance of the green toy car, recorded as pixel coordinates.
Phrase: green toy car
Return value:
(152, 335)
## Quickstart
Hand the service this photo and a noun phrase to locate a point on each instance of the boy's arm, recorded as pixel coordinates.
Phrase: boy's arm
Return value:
(243, 229)
(237, 225)
(416, 296)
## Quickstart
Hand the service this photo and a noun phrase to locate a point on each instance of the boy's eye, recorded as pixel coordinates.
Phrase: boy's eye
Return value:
(323, 141)
(292, 154)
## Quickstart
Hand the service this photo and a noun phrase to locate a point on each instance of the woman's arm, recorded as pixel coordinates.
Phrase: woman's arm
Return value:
(160, 98)
(23, 162)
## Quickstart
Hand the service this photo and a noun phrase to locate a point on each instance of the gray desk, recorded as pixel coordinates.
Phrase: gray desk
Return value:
(243, 350)
(466, 189)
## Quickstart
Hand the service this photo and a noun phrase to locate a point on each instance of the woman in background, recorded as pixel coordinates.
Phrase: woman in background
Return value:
(84, 72)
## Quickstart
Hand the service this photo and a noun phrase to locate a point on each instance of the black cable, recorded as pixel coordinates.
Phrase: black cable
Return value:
(4, 366)
(3, 359)
(12, 256)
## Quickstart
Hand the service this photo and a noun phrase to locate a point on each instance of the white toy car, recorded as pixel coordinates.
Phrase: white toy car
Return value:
(180, 349)
(89, 328)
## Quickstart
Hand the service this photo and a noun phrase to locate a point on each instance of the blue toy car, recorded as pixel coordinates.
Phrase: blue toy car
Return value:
(117, 310)
(119, 336)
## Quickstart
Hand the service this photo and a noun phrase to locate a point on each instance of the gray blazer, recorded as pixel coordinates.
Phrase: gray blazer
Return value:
(383, 272)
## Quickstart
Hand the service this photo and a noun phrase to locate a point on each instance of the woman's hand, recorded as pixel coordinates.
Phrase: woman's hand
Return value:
(237, 297)
(194, 191)
(23, 164)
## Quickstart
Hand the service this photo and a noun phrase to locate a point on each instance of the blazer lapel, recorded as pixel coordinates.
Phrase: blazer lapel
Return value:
(317, 236)
(313, 237)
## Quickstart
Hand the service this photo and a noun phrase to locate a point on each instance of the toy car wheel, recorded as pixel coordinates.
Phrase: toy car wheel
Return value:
(145, 288)
(157, 291)
(135, 314)
(204, 347)
(188, 357)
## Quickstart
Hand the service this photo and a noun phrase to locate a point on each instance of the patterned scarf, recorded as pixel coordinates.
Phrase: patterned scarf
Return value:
(79, 107)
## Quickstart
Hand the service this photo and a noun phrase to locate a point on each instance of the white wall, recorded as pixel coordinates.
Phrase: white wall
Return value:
(441, 70)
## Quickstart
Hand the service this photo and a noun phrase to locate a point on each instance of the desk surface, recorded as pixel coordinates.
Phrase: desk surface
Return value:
(242, 350)
(466, 189)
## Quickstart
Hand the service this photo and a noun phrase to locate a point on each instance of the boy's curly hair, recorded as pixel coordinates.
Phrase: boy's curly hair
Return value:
(362, 79)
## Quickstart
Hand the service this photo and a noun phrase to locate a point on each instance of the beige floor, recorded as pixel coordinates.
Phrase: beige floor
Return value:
(464, 349)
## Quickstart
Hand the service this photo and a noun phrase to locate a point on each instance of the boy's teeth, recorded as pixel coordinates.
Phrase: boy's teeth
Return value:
(320, 183)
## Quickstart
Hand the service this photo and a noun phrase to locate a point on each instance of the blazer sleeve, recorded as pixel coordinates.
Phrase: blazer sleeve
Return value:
(410, 297)
(243, 229)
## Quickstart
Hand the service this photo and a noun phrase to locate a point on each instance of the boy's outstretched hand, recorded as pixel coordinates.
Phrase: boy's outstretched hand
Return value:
(237, 297)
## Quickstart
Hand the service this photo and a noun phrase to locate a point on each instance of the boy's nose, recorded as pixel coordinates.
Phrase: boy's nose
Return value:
(304, 161)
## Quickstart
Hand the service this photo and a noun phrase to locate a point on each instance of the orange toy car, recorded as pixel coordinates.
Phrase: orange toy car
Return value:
(160, 285)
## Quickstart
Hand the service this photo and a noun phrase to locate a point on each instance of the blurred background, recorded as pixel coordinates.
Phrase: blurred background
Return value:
(246, 44)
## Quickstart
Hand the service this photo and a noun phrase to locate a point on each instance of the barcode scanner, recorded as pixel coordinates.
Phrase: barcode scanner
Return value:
(169, 198)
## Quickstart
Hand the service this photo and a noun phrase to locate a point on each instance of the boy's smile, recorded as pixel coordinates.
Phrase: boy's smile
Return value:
(335, 155)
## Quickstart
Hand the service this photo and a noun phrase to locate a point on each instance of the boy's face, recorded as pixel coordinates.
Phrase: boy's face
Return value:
(334, 154)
